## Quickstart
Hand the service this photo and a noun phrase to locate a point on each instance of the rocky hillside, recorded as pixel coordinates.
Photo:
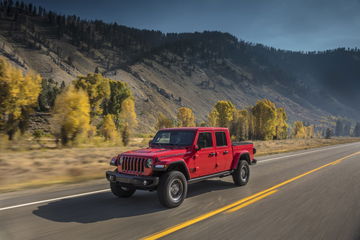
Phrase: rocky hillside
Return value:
(167, 71)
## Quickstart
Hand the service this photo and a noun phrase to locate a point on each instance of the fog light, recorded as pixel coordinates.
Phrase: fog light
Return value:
(160, 166)
(145, 182)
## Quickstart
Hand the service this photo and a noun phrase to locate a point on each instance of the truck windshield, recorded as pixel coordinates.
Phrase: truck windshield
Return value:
(174, 138)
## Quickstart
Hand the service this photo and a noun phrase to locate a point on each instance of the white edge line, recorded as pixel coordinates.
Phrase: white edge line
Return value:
(106, 190)
(307, 152)
(54, 199)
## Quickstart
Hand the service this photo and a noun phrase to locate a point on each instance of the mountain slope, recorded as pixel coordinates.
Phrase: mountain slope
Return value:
(167, 71)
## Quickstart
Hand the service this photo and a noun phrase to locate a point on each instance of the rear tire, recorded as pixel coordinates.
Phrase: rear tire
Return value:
(172, 189)
(120, 191)
(241, 174)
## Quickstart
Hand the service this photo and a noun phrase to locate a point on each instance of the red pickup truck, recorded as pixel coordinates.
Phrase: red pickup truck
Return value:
(178, 156)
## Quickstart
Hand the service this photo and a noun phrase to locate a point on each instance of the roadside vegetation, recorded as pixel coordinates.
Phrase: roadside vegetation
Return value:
(71, 165)
(93, 118)
(89, 108)
(264, 121)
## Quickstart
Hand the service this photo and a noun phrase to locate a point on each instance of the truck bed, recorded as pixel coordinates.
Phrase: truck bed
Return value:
(241, 143)
(244, 146)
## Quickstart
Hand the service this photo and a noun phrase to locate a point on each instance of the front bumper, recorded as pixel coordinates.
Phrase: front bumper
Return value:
(141, 182)
(253, 162)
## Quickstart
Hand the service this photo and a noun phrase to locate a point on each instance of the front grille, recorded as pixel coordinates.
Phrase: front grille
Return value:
(133, 164)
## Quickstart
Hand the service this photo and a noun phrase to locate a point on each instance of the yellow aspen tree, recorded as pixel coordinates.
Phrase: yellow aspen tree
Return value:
(71, 116)
(225, 111)
(239, 126)
(125, 134)
(265, 116)
(213, 118)
(128, 114)
(108, 129)
(185, 117)
(97, 88)
(119, 91)
(281, 124)
(244, 119)
(18, 96)
(299, 130)
(235, 126)
(250, 123)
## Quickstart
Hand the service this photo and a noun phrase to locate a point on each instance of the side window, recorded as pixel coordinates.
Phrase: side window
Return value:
(220, 139)
(204, 140)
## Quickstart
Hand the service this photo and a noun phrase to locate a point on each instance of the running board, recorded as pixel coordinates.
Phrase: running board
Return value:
(220, 175)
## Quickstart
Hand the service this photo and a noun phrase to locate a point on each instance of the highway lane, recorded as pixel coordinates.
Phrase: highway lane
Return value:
(321, 205)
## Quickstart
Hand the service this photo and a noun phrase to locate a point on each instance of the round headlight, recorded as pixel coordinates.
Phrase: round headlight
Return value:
(120, 161)
(148, 163)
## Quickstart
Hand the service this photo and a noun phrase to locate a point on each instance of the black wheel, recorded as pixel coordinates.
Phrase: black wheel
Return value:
(121, 191)
(242, 173)
(172, 189)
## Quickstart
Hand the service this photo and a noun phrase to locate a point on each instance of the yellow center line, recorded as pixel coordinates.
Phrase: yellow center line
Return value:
(250, 202)
(255, 197)
(200, 218)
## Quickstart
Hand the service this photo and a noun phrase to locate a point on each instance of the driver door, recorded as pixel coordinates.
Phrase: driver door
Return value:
(206, 156)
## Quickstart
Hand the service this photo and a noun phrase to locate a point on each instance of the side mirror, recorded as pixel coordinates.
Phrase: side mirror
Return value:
(197, 148)
(150, 142)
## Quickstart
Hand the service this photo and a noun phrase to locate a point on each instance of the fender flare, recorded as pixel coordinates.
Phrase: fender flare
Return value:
(183, 167)
(238, 156)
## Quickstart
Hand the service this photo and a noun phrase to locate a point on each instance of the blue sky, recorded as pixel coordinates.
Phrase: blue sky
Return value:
(286, 24)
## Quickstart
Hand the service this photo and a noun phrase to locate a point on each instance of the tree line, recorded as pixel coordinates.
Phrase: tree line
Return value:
(343, 128)
(91, 105)
(94, 105)
(263, 121)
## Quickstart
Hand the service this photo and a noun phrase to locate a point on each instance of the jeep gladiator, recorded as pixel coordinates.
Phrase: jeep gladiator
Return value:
(179, 156)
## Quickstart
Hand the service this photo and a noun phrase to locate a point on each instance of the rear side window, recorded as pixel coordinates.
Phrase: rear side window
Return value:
(220, 139)
(204, 140)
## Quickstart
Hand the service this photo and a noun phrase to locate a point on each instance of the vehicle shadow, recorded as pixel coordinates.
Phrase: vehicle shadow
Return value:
(202, 187)
(105, 206)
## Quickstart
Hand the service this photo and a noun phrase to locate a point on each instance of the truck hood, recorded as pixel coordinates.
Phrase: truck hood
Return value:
(156, 152)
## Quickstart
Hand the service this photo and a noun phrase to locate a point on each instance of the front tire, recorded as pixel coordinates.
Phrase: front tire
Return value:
(241, 174)
(172, 189)
(121, 191)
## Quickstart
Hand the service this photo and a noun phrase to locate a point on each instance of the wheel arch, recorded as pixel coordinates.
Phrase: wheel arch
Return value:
(179, 165)
(245, 155)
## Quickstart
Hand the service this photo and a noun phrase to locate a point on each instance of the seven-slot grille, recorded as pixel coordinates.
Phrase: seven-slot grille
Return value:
(133, 164)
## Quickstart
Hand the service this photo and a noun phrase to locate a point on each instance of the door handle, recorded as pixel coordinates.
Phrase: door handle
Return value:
(225, 152)
(212, 154)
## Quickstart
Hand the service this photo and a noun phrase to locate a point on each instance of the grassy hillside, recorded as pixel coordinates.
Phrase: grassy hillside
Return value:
(166, 71)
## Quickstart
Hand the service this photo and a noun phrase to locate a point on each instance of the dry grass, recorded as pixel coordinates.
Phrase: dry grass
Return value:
(28, 169)
(288, 145)
(21, 169)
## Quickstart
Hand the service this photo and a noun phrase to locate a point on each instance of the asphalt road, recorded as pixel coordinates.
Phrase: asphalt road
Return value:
(312, 194)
